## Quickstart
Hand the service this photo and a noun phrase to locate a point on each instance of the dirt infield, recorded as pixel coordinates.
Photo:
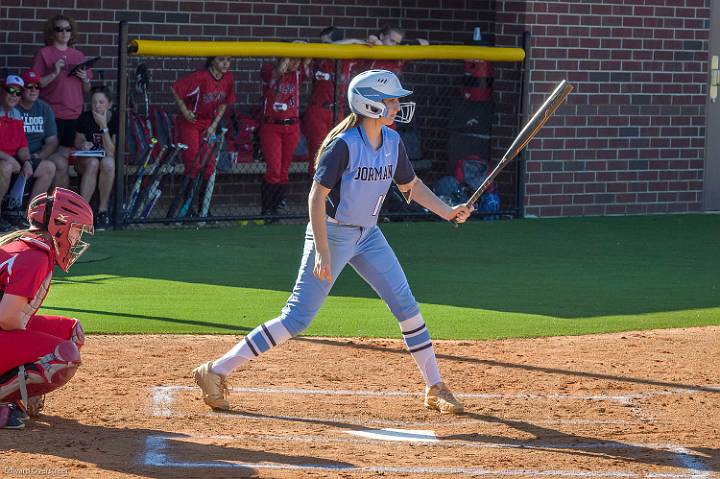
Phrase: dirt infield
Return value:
(640, 404)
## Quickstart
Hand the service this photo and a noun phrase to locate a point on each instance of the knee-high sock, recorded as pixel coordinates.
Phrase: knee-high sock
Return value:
(417, 340)
(259, 340)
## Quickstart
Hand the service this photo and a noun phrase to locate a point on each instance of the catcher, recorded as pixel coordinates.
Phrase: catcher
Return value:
(39, 353)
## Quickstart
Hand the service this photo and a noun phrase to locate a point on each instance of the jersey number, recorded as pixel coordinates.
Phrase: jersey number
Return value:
(378, 205)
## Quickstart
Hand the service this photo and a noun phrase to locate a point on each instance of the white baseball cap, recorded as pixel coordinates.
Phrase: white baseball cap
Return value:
(14, 80)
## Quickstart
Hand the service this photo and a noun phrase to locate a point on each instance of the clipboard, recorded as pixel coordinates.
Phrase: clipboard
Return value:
(85, 64)
(88, 153)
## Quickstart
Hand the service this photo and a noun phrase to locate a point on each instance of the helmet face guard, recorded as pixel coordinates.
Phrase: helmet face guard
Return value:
(405, 115)
(76, 245)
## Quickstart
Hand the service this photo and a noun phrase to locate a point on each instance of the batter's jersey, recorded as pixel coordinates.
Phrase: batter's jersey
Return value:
(359, 176)
(26, 267)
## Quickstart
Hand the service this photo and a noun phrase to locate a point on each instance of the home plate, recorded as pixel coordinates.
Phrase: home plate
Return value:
(389, 434)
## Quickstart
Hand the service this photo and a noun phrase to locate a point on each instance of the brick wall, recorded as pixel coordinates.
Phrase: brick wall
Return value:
(437, 84)
(631, 139)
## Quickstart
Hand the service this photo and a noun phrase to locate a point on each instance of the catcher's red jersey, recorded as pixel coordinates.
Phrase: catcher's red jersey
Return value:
(26, 267)
(203, 94)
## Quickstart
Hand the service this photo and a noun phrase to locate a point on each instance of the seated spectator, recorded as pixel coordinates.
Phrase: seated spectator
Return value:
(13, 144)
(97, 130)
(41, 134)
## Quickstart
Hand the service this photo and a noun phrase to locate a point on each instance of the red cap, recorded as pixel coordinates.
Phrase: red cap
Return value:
(30, 77)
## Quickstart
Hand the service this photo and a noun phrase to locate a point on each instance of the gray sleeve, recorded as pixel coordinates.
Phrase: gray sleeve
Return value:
(333, 162)
(49, 121)
(404, 173)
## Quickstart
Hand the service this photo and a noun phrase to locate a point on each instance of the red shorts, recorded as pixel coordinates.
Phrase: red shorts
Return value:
(43, 338)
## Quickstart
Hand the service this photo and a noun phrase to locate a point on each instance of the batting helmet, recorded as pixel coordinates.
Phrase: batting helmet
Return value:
(368, 89)
(66, 216)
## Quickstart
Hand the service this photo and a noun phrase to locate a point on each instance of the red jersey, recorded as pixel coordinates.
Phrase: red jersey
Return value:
(281, 97)
(323, 78)
(65, 92)
(12, 131)
(203, 94)
(26, 267)
(395, 66)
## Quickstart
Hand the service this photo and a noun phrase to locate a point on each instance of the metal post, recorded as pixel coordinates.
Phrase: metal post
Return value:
(122, 92)
(524, 108)
(336, 93)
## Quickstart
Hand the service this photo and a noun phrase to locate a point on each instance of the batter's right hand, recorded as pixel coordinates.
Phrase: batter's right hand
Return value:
(322, 269)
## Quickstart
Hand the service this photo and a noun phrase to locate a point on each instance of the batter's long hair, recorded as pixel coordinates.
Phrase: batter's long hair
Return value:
(348, 122)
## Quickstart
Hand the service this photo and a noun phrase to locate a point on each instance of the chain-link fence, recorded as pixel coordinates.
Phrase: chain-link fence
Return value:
(448, 142)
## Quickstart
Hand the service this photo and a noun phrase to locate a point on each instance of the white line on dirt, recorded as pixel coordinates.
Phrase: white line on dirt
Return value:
(621, 398)
(156, 446)
(340, 421)
(163, 396)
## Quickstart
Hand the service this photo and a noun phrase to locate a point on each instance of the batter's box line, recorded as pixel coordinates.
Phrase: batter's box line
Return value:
(164, 395)
(162, 398)
(155, 455)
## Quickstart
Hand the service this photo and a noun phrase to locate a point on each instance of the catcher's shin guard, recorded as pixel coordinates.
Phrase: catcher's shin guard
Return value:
(49, 372)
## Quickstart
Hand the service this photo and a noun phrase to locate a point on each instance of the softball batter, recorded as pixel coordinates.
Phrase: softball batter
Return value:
(355, 165)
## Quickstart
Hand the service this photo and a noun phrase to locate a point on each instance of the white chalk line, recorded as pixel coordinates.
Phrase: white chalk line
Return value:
(163, 397)
(156, 446)
(340, 421)
(454, 443)
(621, 398)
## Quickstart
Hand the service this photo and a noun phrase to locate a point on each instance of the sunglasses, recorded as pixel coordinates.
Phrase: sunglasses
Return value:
(63, 29)
(14, 91)
(32, 87)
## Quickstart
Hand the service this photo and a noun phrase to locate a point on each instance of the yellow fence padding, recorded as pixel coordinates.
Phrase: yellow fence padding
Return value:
(162, 48)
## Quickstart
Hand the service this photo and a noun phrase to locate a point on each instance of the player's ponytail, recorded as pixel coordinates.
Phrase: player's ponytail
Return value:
(350, 121)
(13, 236)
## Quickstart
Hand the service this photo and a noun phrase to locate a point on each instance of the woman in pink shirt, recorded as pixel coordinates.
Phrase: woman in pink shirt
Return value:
(63, 91)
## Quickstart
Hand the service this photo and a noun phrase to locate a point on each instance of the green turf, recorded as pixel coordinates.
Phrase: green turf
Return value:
(483, 280)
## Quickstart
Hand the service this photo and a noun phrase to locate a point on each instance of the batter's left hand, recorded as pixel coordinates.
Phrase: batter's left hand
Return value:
(460, 213)
(322, 269)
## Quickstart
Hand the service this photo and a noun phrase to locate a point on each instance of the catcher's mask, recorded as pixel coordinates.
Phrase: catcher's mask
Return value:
(66, 216)
(368, 89)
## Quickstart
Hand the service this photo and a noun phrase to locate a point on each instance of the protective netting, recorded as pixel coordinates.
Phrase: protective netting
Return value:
(449, 142)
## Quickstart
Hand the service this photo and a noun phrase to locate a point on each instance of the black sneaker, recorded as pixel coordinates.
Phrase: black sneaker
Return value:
(282, 208)
(102, 222)
(10, 417)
